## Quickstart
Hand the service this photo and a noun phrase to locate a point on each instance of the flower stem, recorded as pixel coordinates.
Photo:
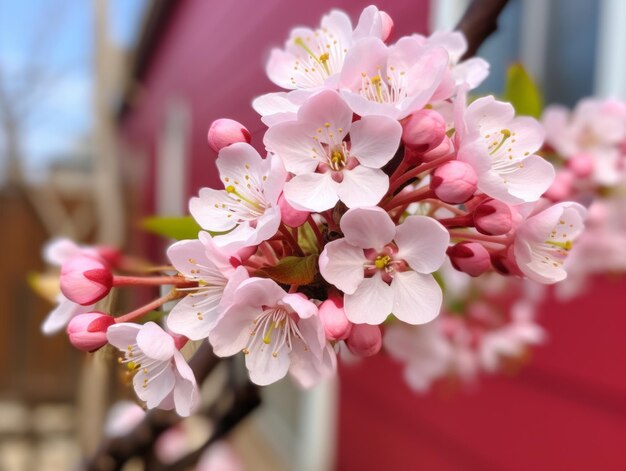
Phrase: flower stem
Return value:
(150, 281)
(503, 240)
(405, 199)
(316, 231)
(145, 309)
(395, 184)
(291, 240)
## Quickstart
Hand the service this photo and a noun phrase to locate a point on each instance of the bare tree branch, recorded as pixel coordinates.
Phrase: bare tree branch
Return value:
(479, 21)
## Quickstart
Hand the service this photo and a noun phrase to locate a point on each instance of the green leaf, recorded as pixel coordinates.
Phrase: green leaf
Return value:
(307, 240)
(172, 227)
(522, 92)
(293, 270)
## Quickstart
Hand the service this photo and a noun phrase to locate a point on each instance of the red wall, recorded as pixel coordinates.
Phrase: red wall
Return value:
(566, 410)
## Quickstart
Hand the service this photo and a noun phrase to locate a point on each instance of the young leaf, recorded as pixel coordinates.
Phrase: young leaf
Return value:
(293, 270)
(178, 228)
(522, 92)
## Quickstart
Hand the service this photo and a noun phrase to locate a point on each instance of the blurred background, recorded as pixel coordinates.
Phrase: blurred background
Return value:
(104, 108)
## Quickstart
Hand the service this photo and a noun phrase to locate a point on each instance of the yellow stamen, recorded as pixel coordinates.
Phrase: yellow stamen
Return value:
(268, 336)
(376, 81)
(300, 42)
(505, 135)
(324, 61)
(337, 157)
(567, 245)
(230, 189)
(382, 261)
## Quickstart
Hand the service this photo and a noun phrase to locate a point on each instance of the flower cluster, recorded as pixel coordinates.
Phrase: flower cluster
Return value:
(377, 173)
(588, 146)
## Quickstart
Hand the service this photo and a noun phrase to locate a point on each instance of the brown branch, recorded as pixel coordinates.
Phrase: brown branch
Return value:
(479, 21)
(115, 452)
(247, 399)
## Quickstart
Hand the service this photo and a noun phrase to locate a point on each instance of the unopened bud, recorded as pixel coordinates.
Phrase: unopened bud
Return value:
(85, 280)
(289, 215)
(504, 262)
(365, 340)
(454, 182)
(87, 332)
(493, 217)
(470, 257)
(444, 148)
(424, 130)
(110, 255)
(333, 318)
(581, 165)
(387, 23)
(224, 132)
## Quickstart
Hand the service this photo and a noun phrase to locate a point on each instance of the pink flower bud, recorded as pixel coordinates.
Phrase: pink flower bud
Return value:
(289, 215)
(504, 262)
(224, 132)
(365, 340)
(87, 332)
(387, 25)
(111, 255)
(581, 165)
(493, 217)
(470, 257)
(562, 186)
(423, 130)
(444, 148)
(454, 182)
(333, 318)
(85, 280)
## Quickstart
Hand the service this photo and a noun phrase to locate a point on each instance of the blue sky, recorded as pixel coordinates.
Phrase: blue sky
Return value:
(62, 108)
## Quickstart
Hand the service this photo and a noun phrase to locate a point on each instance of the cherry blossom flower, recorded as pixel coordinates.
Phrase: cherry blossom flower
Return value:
(599, 249)
(122, 418)
(162, 379)
(384, 269)
(311, 59)
(470, 72)
(423, 349)
(247, 208)
(277, 332)
(199, 260)
(392, 80)
(327, 168)
(512, 339)
(501, 148)
(543, 241)
(595, 130)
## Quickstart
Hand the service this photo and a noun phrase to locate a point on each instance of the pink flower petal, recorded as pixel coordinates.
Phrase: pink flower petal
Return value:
(371, 303)
(416, 298)
(368, 228)
(341, 264)
(422, 243)
(312, 192)
(375, 140)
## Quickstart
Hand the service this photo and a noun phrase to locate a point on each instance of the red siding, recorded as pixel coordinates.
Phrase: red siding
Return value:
(565, 410)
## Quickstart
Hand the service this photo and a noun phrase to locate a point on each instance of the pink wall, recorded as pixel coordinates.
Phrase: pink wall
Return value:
(212, 55)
